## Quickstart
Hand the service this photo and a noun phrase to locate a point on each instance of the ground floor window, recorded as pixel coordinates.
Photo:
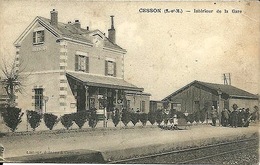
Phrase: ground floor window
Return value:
(176, 106)
(38, 99)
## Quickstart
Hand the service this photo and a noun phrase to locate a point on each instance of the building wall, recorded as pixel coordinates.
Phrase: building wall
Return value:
(50, 85)
(42, 57)
(135, 102)
(97, 57)
(243, 103)
(188, 97)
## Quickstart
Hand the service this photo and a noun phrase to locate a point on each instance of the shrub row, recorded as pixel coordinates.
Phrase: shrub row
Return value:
(12, 118)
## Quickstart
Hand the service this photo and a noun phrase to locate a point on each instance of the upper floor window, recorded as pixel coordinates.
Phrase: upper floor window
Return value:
(81, 63)
(110, 68)
(38, 37)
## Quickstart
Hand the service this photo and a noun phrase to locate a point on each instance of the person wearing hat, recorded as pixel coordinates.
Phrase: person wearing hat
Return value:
(234, 116)
(214, 116)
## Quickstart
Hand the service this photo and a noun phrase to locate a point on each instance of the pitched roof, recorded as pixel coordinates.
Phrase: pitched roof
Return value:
(228, 90)
(103, 81)
(70, 31)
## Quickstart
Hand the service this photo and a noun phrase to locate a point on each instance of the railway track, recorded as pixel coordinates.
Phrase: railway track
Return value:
(195, 154)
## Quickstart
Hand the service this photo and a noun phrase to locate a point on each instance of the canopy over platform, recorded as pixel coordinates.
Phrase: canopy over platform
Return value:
(103, 81)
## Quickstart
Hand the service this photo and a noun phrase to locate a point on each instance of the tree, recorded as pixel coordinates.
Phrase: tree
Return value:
(12, 80)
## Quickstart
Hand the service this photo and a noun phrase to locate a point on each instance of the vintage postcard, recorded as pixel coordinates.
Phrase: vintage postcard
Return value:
(164, 82)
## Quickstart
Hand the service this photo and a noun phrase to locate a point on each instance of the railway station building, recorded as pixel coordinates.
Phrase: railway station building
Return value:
(198, 95)
(71, 69)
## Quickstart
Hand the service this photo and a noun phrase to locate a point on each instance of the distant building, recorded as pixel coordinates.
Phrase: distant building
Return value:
(198, 95)
(73, 68)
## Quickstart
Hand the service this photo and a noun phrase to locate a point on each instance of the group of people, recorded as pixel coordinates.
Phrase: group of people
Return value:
(238, 117)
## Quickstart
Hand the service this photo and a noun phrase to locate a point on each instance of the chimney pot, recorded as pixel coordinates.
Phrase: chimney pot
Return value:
(87, 28)
(54, 18)
(112, 31)
(77, 23)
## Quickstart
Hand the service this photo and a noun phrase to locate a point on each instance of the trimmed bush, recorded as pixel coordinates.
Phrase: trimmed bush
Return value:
(134, 118)
(67, 120)
(125, 117)
(80, 118)
(116, 117)
(159, 117)
(50, 120)
(197, 116)
(143, 118)
(34, 119)
(12, 117)
(190, 118)
(152, 117)
(202, 116)
(93, 118)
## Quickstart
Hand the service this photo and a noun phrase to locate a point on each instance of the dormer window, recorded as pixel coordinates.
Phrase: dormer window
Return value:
(38, 37)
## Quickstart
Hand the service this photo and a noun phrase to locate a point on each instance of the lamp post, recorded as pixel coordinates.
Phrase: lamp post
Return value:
(219, 104)
(45, 98)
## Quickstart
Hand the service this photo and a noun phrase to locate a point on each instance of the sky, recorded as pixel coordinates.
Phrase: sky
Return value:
(164, 51)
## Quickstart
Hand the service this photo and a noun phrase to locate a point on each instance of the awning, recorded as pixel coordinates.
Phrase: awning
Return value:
(102, 81)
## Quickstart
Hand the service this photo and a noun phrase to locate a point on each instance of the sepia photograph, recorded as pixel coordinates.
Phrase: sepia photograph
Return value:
(129, 82)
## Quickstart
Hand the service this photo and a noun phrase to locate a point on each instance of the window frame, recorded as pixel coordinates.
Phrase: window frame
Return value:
(78, 65)
(38, 99)
(38, 37)
(113, 64)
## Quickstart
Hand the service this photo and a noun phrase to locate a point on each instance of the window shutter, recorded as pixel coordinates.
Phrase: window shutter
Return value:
(87, 64)
(114, 69)
(76, 62)
(34, 37)
(106, 68)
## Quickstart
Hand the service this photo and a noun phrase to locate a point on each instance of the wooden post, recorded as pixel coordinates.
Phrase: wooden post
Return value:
(86, 93)
(219, 106)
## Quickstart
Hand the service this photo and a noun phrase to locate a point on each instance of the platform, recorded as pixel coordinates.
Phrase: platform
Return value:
(116, 144)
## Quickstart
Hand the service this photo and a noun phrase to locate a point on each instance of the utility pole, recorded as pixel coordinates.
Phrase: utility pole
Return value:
(227, 78)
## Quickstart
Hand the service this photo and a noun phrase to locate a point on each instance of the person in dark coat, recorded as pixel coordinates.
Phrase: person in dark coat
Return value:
(247, 117)
(234, 116)
(225, 117)
(240, 118)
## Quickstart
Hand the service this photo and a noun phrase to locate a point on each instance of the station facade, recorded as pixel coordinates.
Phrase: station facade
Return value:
(73, 69)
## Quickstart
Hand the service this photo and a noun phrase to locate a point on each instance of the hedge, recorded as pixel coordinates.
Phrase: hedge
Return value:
(12, 117)
(143, 118)
(80, 118)
(34, 119)
(50, 120)
(67, 120)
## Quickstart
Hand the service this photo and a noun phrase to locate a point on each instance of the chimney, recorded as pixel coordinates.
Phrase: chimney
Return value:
(112, 31)
(77, 23)
(54, 18)
(88, 28)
